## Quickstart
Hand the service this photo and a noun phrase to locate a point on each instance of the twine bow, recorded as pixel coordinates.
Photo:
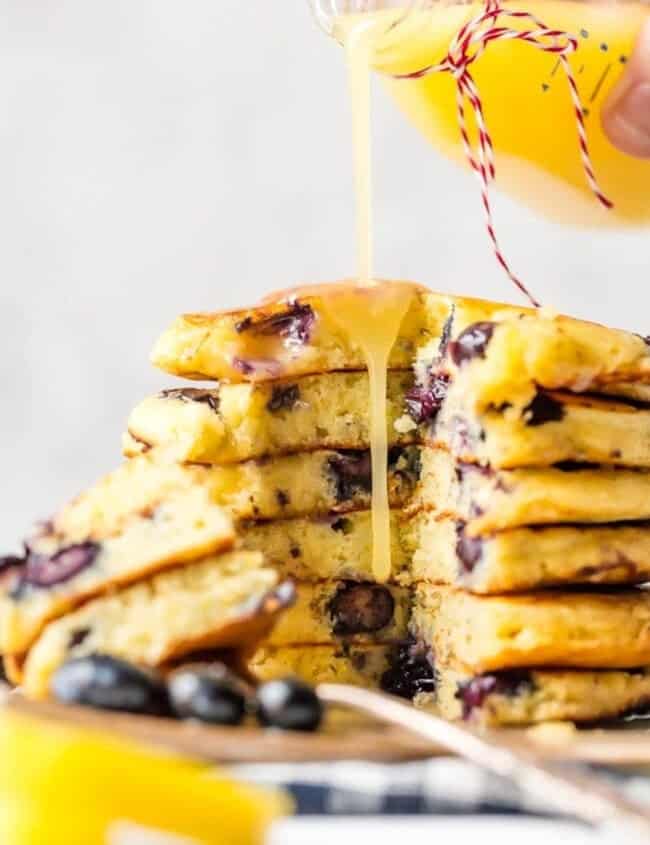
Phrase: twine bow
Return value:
(470, 43)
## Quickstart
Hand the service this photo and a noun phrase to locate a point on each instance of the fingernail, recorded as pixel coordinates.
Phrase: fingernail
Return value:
(626, 119)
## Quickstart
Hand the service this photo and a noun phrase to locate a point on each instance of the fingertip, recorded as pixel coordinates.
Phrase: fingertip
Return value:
(625, 114)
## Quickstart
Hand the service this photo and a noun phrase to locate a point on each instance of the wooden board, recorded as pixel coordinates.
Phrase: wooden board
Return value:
(345, 736)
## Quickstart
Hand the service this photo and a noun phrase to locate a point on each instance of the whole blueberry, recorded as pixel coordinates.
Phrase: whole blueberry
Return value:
(289, 704)
(360, 608)
(109, 683)
(207, 693)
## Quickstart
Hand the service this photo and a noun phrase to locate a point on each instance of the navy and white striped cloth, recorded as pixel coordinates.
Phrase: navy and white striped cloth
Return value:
(442, 785)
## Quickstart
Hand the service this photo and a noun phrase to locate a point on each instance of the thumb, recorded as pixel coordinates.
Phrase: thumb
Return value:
(626, 112)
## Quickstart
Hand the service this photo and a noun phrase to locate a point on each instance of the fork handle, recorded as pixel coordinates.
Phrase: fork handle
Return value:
(582, 796)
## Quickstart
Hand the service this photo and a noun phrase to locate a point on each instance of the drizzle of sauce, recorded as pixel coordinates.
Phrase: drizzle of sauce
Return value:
(359, 48)
(369, 312)
(372, 314)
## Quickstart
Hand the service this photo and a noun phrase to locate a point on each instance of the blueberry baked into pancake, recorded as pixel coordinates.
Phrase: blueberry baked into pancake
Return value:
(525, 558)
(530, 696)
(517, 518)
(555, 427)
(354, 612)
(490, 500)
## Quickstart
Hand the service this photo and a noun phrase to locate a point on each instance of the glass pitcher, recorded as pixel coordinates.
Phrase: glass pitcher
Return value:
(529, 110)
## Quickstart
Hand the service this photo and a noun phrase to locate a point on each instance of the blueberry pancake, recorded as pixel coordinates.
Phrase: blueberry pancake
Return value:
(361, 665)
(334, 546)
(279, 488)
(237, 422)
(556, 629)
(226, 601)
(282, 340)
(528, 697)
(553, 428)
(489, 500)
(350, 611)
(524, 558)
(505, 359)
(63, 567)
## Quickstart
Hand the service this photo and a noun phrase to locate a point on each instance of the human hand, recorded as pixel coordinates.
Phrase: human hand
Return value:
(626, 113)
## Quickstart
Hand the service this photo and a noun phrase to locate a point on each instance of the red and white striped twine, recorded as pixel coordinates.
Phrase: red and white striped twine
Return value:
(469, 43)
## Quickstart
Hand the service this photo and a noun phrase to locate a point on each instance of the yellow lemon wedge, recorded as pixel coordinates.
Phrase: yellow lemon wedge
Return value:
(66, 786)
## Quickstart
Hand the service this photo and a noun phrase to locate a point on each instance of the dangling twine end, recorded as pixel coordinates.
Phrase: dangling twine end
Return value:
(514, 279)
(534, 302)
(475, 35)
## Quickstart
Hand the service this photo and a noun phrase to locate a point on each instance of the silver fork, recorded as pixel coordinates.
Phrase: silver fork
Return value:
(583, 796)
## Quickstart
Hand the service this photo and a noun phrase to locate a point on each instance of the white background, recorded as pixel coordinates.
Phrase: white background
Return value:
(159, 156)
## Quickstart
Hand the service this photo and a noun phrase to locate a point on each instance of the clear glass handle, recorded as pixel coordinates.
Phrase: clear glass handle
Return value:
(326, 11)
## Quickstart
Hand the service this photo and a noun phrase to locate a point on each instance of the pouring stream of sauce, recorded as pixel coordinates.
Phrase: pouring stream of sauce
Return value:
(369, 312)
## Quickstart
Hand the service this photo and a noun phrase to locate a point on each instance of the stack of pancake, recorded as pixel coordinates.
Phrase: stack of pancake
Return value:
(541, 482)
(519, 482)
